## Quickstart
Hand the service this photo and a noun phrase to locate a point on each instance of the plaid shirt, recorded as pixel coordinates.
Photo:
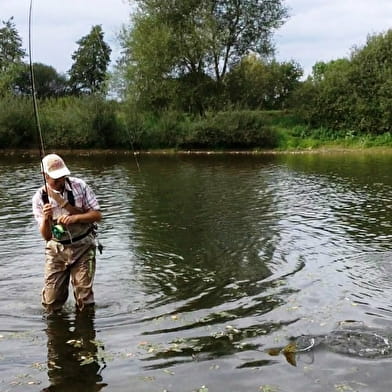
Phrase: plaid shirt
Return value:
(82, 193)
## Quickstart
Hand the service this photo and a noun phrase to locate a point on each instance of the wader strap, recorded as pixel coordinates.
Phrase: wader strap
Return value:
(71, 241)
(70, 196)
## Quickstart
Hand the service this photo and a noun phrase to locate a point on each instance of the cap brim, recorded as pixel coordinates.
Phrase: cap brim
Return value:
(55, 174)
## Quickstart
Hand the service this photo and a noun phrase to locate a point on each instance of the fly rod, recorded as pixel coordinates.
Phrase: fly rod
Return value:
(35, 106)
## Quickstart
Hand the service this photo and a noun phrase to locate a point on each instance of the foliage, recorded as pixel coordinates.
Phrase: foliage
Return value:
(11, 51)
(234, 129)
(79, 122)
(146, 66)
(48, 83)
(16, 122)
(11, 55)
(257, 84)
(92, 122)
(177, 41)
(89, 70)
(372, 78)
(352, 94)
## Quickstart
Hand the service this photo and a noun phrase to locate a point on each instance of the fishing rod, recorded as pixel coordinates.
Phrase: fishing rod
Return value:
(99, 39)
(35, 106)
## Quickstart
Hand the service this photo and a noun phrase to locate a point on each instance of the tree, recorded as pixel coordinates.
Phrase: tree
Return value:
(353, 94)
(89, 70)
(11, 51)
(48, 83)
(169, 39)
(11, 55)
(372, 77)
(255, 83)
(333, 105)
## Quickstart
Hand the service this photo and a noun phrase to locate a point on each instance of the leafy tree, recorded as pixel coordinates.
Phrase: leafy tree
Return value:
(169, 39)
(372, 77)
(11, 51)
(89, 70)
(259, 84)
(146, 63)
(11, 55)
(333, 105)
(353, 94)
(48, 83)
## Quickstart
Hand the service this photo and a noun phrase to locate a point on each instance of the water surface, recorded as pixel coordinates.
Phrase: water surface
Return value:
(210, 261)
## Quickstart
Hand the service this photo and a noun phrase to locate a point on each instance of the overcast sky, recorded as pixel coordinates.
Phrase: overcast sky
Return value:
(316, 30)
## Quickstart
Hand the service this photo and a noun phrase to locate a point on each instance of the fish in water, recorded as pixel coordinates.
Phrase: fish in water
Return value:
(350, 339)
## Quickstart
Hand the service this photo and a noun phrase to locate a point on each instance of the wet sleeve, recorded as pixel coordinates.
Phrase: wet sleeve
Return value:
(91, 202)
(37, 205)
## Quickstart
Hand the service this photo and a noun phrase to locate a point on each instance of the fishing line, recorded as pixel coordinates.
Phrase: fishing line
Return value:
(35, 106)
(125, 121)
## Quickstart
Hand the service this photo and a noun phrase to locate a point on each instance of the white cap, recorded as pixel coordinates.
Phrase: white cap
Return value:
(54, 166)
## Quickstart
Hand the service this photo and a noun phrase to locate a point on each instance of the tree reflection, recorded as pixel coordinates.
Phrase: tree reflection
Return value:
(74, 360)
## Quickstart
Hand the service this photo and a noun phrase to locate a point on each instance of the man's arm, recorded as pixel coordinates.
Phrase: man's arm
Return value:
(84, 217)
(45, 227)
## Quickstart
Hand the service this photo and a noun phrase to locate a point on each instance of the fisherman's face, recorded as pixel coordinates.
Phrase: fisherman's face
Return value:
(56, 184)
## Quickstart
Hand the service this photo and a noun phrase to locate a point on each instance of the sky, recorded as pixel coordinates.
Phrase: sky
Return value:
(317, 30)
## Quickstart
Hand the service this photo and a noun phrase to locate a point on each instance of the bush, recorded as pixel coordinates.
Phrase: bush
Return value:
(17, 126)
(236, 129)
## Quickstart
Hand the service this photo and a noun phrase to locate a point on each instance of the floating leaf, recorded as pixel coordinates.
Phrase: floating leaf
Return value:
(343, 387)
(269, 388)
(290, 348)
(167, 371)
(290, 357)
(289, 352)
(86, 360)
(75, 342)
(274, 351)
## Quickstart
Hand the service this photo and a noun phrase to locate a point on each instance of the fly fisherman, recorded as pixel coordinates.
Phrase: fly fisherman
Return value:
(66, 209)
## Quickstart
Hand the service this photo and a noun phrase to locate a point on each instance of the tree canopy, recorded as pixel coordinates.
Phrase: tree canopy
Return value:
(255, 83)
(11, 55)
(353, 94)
(48, 83)
(89, 70)
(169, 39)
(11, 51)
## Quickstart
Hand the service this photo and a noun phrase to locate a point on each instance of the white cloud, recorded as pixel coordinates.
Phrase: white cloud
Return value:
(57, 25)
(328, 29)
(316, 30)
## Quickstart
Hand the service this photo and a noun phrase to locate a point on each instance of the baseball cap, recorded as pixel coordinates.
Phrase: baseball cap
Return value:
(54, 166)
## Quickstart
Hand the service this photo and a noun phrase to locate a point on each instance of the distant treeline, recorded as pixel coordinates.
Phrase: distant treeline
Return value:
(176, 89)
(93, 122)
(352, 95)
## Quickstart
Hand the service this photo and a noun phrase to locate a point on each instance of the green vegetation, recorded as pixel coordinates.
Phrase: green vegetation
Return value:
(89, 70)
(197, 75)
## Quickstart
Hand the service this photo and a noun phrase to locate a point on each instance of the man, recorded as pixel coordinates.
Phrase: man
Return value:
(66, 209)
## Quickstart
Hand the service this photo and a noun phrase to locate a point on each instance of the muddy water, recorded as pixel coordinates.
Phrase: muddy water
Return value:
(210, 261)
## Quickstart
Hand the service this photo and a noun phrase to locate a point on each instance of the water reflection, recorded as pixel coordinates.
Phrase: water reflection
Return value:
(75, 359)
(208, 262)
(199, 233)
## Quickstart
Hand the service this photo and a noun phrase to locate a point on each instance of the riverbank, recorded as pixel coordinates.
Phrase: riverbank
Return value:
(328, 149)
(94, 125)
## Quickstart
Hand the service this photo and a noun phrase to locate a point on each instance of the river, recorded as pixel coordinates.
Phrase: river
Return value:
(212, 264)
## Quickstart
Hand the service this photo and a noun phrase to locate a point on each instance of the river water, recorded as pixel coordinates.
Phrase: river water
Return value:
(212, 263)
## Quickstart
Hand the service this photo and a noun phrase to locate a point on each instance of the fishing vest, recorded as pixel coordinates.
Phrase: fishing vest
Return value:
(70, 196)
(76, 231)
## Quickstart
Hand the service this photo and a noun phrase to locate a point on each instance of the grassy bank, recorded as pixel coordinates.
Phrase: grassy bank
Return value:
(91, 123)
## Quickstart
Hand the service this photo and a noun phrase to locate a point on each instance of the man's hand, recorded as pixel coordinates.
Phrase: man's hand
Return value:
(68, 219)
(47, 211)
